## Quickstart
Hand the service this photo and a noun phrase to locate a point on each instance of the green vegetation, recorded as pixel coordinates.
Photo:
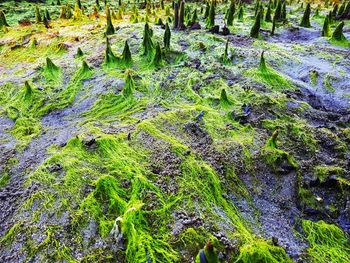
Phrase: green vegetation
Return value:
(275, 156)
(167, 36)
(338, 32)
(147, 42)
(110, 28)
(305, 22)
(323, 172)
(4, 179)
(126, 55)
(3, 21)
(230, 14)
(261, 251)
(254, 32)
(326, 30)
(328, 243)
(127, 139)
(211, 16)
(269, 76)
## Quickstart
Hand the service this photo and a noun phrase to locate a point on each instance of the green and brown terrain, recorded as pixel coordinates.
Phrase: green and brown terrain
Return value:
(137, 131)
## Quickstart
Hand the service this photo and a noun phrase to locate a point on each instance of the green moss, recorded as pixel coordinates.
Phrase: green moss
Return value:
(296, 134)
(274, 156)
(323, 172)
(109, 28)
(327, 83)
(314, 77)
(4, 179)
(11, 233)
(147, 43)
(157, 59)
(110, 58)
(328, 243)
(194, 238)
(261, 251)
(129, 84)
(210, 20)
(307, 199)
(305, 22)
(254, 32)
(126, 55)
(269, 76)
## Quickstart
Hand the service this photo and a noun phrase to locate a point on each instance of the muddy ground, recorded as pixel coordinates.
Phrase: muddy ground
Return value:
(182, 100)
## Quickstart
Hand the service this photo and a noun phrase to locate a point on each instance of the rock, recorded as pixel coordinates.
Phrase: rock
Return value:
(274, 241)
(214, 29)
(195, 26)
(225, 31)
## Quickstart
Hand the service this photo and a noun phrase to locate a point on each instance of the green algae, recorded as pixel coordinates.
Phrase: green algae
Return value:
(295, 133)
(27, 105)
(108, 193)
(11, 234)
(308, 199)
(269, 76)
(261, 251)
(97, 175)
(4, 179)
(328, 243)
(323, 172)
(275, 156)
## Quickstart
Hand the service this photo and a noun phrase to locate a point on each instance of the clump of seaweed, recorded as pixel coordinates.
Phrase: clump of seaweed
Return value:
(261, 251)
(210, 22)
(80, 53)
(3, 21)
(126, 58)
(225, 57)
(147, 43)
(38, 18)
(129, 84)
(254, 32)
(181, 25)
(328, 243)
(167, 36)
(51, 71)
(274, 156)
(326, 30)
(268, 75)
(338, 32)
(278, 12)
(110, 58)
(305, 21)
(109, 27)
(176, 15)
(157, 60)
(268, 17)
(231, 13)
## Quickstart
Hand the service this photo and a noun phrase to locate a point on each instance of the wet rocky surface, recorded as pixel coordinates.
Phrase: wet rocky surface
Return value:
(274, 208)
